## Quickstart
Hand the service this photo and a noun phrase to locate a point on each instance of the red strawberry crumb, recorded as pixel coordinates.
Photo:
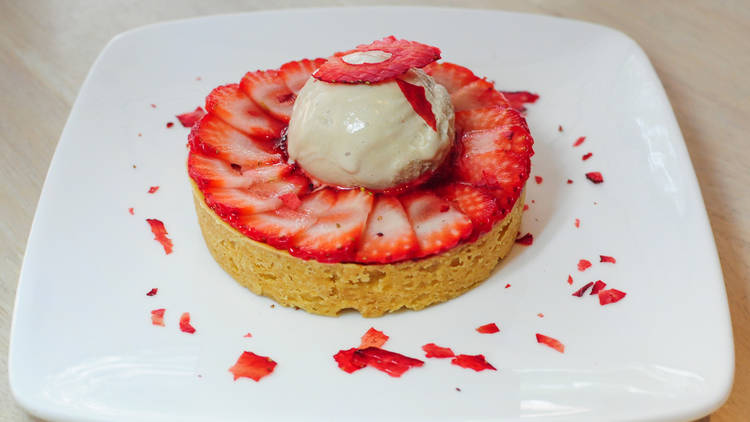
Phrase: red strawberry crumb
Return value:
(551, 342)
(185, 326)
(140, 134)
(392, 363)
(584, 264)
(570, 182)
(526, 239)
(153, 105)
(559, 128)
(605, 258)
(579, 141)
(373, 338)
(538, 180)
(490, 328)
(578, 223)
(347, 361)
(580, 292)
(170, 124)
(131, 211)
(432, 350)
(157, 316)
(153, 189)
(152, 292)
(458, 389)
(598, 286)
(188, 119)
(570, 280)
(248, 335)
(595, 177)
(610, 296)
(540, 315)
(198, 78)
(587, 156)
(475, 362)
(507, 285)
(415, 95)
(525, 207)
(160, 234)
(250, 365)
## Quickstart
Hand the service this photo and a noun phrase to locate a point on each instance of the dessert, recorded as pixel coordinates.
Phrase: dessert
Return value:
(374, 180)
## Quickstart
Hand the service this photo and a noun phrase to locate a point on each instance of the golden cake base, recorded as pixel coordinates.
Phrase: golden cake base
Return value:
(371, 289)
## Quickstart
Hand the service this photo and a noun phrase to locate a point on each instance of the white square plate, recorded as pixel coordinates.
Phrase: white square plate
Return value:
(83, 347)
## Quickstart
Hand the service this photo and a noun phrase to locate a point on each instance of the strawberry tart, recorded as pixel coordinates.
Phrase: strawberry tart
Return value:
(374, 180)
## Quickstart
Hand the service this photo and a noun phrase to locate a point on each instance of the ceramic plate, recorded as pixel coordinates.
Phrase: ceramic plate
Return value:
(83, 347)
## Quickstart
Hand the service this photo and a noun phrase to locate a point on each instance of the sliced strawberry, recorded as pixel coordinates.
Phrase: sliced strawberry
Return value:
(438, 225)
(398, 57)
(497, 158)
(488, 118)
(233, 106)
(478, 204)
(519, 99)
(334, 236)
(213, 137)
(260, 197)
(296, 73)
(268, 90)
(478, 94)
(388, 235)
(275, 227)
(215, 172)
(452, 76)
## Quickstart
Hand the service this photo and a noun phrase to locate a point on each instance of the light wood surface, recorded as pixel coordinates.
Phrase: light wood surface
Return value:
(699, 49)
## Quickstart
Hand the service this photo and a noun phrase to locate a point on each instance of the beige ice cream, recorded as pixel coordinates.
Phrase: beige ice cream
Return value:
(368, 135)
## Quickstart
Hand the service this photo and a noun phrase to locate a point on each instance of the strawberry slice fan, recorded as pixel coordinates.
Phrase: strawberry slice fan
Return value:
(321, 247)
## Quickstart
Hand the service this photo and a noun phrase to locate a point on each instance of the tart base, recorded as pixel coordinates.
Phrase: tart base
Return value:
(372, 289)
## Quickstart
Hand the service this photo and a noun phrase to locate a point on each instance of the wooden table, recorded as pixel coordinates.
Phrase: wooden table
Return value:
(700, 51)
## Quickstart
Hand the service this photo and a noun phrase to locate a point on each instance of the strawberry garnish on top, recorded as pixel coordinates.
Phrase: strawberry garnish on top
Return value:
(518, 99)
(398, 57)
(296, 73)
(334, 236)
(388, 235)
(415, 95)
(438, 225)
(233, 106)
(269, 91)
(452, 76)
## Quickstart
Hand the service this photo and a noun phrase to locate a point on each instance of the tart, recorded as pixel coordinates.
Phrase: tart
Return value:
(293, 215)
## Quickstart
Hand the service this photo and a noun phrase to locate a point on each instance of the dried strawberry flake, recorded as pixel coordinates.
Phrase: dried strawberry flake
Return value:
(373, 338)
(551, 342)
(559, 128)
(185, 326)
(170, 124)
(189, 119)
(415, 95)
(152, 292)
(160, 234)
(579, 141)
(598, 286)
(248, 335)
(584, 264)
(610, 296)
(432, 350)
(570, 182)
(578, 223)
(517, 99)
(586, 156)
(526, 239)
(475, 362)
(540, 315)
(131, 211)
(570, 280)
(490, 328)
(153, 189)
(605, 258)
(525, 207)
(347, 360)
(538, 179)
(595, 177)
(392, 363)
(582, 290)
(507, 285)
(157, 316)
(250, 365)
(153, 105)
